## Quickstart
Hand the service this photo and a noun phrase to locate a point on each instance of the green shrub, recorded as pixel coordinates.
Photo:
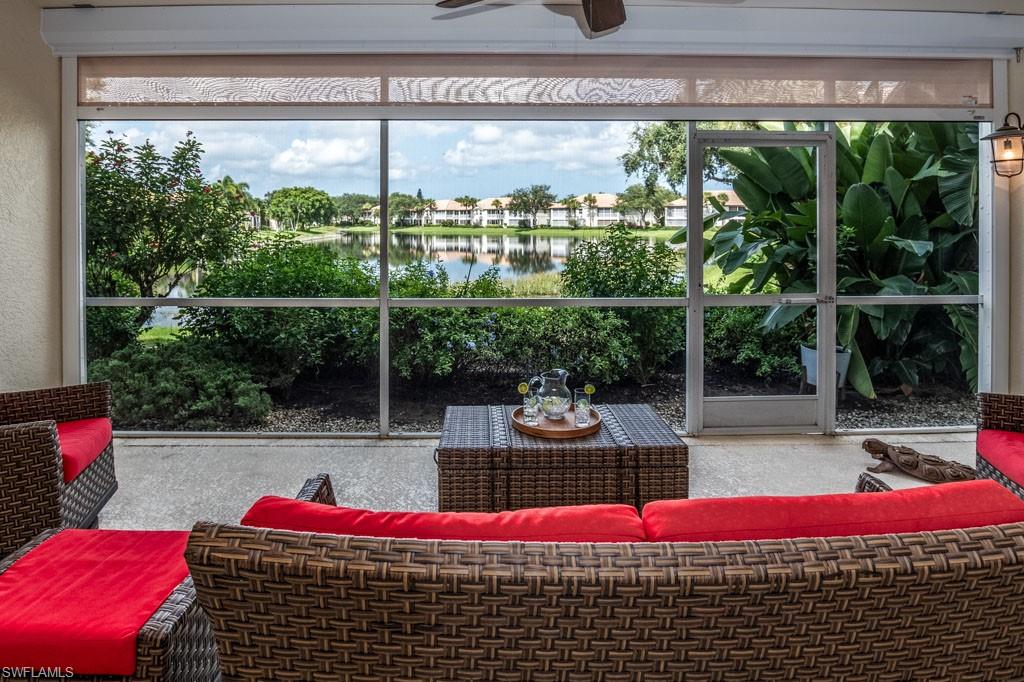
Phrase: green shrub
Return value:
(591, 344)
(109, 329)
(179, 385)
(735, 336)
(428, 344)
(622, 265)
(278, 344)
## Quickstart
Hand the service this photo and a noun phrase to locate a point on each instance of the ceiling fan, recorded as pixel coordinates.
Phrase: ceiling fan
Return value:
(600, 15)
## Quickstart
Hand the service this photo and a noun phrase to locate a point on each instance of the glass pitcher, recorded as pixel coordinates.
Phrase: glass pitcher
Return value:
(555, 396)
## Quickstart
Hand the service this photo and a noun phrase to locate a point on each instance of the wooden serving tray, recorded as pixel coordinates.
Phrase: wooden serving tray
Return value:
(557, 428)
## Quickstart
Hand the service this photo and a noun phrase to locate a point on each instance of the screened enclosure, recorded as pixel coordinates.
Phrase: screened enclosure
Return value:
(340, 245)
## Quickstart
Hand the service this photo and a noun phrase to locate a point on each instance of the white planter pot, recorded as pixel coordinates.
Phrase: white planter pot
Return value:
(809, 360)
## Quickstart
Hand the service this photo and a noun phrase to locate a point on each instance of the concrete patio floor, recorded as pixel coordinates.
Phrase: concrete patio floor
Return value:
(168, 483)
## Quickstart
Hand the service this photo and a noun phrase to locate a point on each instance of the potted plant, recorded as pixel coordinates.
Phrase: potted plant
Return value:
(809, 361)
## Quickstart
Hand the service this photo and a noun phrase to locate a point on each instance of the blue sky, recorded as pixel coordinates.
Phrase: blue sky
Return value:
(444, 159)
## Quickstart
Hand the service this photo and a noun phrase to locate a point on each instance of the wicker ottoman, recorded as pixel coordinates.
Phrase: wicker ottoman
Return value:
(484, 464)
(175, 645)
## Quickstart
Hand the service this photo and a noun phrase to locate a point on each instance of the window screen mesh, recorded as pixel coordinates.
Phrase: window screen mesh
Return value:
(496, 79)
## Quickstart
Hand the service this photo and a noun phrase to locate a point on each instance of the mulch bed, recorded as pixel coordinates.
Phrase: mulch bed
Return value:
(351, 404)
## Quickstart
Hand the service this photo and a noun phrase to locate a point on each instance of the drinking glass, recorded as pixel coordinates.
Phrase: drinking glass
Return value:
(582, 401)
(531, 410)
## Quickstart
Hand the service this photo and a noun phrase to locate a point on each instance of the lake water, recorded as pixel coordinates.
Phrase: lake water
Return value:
(463, 256)
(515, 255)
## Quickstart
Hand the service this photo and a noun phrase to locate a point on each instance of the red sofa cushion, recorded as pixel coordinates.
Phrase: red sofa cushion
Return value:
(1005, 451)
(938, 507)
(81, 442)
(78, 599)
(586, 523)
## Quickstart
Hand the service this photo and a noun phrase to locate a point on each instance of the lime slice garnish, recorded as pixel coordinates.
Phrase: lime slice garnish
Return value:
(589, 389)
(523, 388)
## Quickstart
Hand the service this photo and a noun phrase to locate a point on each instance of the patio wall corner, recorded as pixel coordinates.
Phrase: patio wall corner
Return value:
(30, 229)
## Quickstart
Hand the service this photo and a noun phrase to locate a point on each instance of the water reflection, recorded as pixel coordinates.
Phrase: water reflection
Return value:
(465, 257)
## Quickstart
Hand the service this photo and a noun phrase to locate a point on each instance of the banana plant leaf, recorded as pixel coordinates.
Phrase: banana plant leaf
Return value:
(864, 211)
(752, 166)
(879, 158)
(914, 246)
(958, 187)
(753, 196)
(965, 321)
(857, 374)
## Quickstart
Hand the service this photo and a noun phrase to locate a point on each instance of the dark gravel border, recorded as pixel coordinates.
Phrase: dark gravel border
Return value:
(320, 408)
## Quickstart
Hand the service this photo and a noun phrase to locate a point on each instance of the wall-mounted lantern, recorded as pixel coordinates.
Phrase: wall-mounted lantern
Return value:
(1008, 148)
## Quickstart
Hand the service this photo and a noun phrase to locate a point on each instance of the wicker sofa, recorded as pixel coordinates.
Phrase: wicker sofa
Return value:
(939, 605)
(35, 493)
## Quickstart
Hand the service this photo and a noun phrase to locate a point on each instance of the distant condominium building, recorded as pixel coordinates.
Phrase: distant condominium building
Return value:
(597, 209)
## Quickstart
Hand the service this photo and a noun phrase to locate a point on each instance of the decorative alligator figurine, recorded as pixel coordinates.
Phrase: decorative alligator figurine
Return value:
(926, 467)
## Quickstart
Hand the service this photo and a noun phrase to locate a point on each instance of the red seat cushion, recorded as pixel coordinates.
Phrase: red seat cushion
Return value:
(1005, 451)
(938, 507)
(586, 523)
(78, 600)
(81, 442)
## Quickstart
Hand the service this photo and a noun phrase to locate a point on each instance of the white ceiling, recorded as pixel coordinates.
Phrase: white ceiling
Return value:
(972, 6)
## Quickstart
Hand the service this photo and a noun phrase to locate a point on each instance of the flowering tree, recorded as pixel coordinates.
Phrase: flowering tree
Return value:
(150, 219)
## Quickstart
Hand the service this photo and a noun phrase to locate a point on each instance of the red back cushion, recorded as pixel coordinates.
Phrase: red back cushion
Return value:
(1005, 451)
(78, 600)
(81, 442)
(587, 523)
(938, 507)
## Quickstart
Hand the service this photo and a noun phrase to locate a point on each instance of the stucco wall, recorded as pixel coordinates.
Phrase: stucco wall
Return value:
(1016, 247)
(30, 333)
(30, 348)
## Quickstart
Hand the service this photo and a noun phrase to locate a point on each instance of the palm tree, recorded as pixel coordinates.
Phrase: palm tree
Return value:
(572, 206)
(590, 201)
(240, 192)
(469, 202)
(423, 206)
(496, 205)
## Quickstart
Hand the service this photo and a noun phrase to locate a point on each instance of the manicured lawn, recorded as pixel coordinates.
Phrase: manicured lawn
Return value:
(462, 231)
(155, 335)
(299, 234)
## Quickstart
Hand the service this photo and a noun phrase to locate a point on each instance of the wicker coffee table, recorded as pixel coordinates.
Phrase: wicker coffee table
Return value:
(484, 464)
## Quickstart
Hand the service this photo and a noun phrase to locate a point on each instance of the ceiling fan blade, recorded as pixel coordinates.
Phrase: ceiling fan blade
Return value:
(604, 15)
(455, 4)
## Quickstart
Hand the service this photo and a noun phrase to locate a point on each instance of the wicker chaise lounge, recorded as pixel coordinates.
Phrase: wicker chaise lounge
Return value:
(941, 605)
(43, 485)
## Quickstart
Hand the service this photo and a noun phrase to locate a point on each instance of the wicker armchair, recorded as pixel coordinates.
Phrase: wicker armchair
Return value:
(924, 606)
(1005, 413)
(33, 494)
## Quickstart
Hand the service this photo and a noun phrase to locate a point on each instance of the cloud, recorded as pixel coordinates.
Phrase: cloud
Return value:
(341, 156)
(485, 134)
(317, 155)
(577, 147)
(410, 131)
(400, 167)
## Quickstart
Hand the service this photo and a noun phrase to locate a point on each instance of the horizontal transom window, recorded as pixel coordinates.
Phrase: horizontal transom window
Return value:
(554, 80)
